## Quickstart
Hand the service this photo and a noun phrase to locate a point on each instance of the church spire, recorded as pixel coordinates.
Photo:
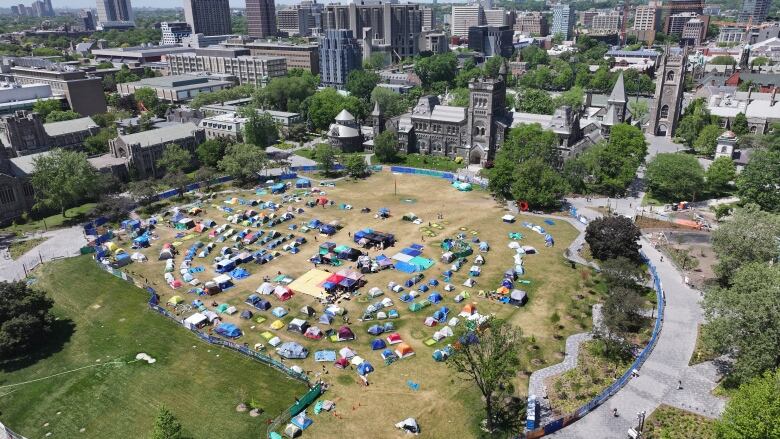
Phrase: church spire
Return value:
(618, 91)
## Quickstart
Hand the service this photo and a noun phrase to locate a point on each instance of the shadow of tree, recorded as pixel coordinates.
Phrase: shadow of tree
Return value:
(62, 331)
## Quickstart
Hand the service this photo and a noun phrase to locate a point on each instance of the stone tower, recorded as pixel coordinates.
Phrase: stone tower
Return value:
(616, 107)
(377, 120)
(486, 114)
(667, 103)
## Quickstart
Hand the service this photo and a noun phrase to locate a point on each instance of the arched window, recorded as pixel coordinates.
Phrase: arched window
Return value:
(753, 129)
(482, 131)
(670, 75)
(664, 112)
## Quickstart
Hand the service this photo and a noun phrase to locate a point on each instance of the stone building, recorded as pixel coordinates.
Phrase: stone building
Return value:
(16, 193)
(142, 150)
(345, 133)
(24, 133)
(667, 104)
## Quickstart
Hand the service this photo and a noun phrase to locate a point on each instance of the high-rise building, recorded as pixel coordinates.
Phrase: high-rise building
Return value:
(261, 18)
(695, 30)
(173, 32)
(208, 17)
(586, 17)
(380, 26)
(667, 104)
(48, 10)
(606, 21)
(255, 70)
(675, 23)
(491, 40)
(532, 23)
(495, 17)
(297, 20)
(679, 6)
(14, 10)
(755, 10)
(114, 10)
(340, 54)
(428, 19)
(563, 21)
(645, 18)
(464, 17)
(87, 19)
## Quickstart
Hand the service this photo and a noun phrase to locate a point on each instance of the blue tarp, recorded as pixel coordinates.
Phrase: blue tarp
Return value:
(406, 268)
(302, 182)
(549, 222)
(411, 252)
(278, 188)
(239, 273)
(329, 356)
(228, 330)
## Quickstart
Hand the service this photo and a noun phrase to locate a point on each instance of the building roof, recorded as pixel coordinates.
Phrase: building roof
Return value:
(160, 135)
(69, 126)
(447, 113)
(377, 110)
(345, 116)
(24, 165)
(618, 91)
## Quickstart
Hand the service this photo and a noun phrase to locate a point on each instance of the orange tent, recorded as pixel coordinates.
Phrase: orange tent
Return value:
(470, 308)
(404, 350)
(502, 290)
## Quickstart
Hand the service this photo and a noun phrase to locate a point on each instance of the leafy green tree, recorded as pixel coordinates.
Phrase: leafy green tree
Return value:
(174, 159)
(376, 61)
(753, 410)
(695, 117)
(638, 109)
(326, 156)
(707, 140)
(104, 65)
(166, 425)
(362, 82)
(436, 68)
(613, 237)
(45, 107)
(324, 105)
(205, 174)
(574, 98)
(460, 97)
(750, 235)
(98, 144)
(740, 124)
(297, 132)
(601, 79)
(757, 183)
(147, 97)
(220, 96)
(62, 178)
(389, 101)
(125, 75)
(530, 100)
(743, 320)
(492, 66)
(534, 55)
(287, 93)
(25, 319)
(259, 129)
(243, 162)
(59, 116)
(564, 75)
(722, 60)
(386, 147)
(622, 310)
(356, 166)
(211, 151)
(675, 177)
(538, 183)
(523, 143)
(143, 191)
(491, 362)
(720, 174)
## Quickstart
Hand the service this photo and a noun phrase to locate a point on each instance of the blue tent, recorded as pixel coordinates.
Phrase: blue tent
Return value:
(313, 224)
(302, 182)
(378, 344)
(384, 212)
(376, 330)
(393, 314)
(483, 246)
(142, 241)
(228, 330)
(406, 298)
(433, 282)
(435, 297)
(262, 305)
(327, 229)
(278, 188)
(326, 319)
(239, 273)
(279, 312)
(423, 288)
(389, 326)
(292, 350)
(365, 368)
(441, 314)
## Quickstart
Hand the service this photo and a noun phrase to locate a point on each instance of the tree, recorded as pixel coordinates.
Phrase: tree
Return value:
(622, 310)
(386, 147)
(297, 132)
(743, 320)
(538, 183)
(205, 175)
(44, 107)
(621, 272)
(25, 319)
(489, 358)
(695, 117)
(324, 105)
(524, 142)
(460, 97)
(98, 144)
(675, 177)
(361, 83)
(388, 101)
(59, 116)
(530, 100)
(243, 162)
(147, 98)
(574, 98)
(707, 140)
(260, 130)
(720, 174)
(287, 93)
(613, 237)
(356, 166)
(534, 55)
(143, 191)
(326, 158)
(113, 207)
(376, 61)
(740, 124)
(436, 68)
(125, 75)
(753, 410)
(62, 178)
(758, 182)
(210, 151)
(750, 235)
(166, 425)
(722, 60)
(174, 158)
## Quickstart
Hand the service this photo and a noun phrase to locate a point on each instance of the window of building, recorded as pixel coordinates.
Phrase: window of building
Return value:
(670, 75)
(664, 112)
(6, 195)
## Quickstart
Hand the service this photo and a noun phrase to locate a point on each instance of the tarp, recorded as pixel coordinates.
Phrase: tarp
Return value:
(292, 350)
(228, 330)
(310, 283)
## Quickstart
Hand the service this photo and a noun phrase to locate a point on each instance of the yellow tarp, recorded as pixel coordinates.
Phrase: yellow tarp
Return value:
(309, 283)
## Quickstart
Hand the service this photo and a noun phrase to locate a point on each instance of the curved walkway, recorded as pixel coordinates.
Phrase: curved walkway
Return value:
(60, 243)
(666, 365)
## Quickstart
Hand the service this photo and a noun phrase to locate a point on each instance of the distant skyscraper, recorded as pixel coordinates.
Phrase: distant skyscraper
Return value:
(14, 10)
(261, 18)
(563, 21)
(87, 19)
(340, 54)
(114, 10)
(208, 17)
(754, 9)
(48, 10)
(466, 16)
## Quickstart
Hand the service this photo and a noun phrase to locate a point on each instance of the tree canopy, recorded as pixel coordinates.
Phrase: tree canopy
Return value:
(361, 83)
(720, 173)
(524, 142)
(436, 68)
(25, 319)
(326, 157)
(750, 235)
(62, 178)
(166, 425)
(613, 237)
(174, 159)
(259, 129)
(287, 93)
(243, 162)
(753, 410)
(758, 182)
(356, 166)
(707, 140)
(211, 151)
(537, 183)
(389, 101)
(45, 107)
(324, 105)
(386, 147)
(675, 177)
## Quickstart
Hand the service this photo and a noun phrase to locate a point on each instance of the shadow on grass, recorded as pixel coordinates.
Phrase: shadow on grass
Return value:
(61, 332)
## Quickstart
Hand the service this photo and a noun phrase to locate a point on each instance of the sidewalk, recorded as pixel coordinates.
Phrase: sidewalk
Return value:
(60, 243)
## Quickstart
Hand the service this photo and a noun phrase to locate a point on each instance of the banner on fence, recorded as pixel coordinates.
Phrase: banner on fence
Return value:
(428, 172)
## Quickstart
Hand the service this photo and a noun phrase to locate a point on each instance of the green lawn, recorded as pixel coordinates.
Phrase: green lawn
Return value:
(430, 162)
(305, 152)
(110, 322)
(19, 248)
(72, 216)
(670, 422)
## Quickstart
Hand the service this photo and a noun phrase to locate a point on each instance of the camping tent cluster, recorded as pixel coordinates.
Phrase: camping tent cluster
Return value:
(333, 254)
(373, 238)
(409, 260)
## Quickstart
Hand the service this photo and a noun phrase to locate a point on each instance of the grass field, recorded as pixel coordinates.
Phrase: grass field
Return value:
(19, 248)
(72, 216)
(671, 423)
(103, 319)
(444, 404)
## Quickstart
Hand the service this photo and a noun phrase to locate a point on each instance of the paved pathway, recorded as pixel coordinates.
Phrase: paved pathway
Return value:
(61, 243)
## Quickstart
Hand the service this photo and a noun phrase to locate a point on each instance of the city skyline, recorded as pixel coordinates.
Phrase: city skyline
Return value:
(169, 4)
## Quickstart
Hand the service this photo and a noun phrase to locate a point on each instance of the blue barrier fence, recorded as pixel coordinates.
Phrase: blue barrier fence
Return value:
(314, 168)
(562, 422)
(428, 172)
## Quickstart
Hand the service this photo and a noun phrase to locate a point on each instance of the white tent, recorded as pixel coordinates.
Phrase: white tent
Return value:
(375, 292)
(195, 321)
(346, 353)
(140, 257)
(231, 310)
(449, 287)
(469, 282)
(276, 341)
(387, 302)
(453, 321)
(265, 288)
(442, 333)
(357, 360)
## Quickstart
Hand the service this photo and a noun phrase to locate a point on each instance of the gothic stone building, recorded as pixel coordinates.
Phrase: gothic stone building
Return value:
(667, 104)
(24, 133)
